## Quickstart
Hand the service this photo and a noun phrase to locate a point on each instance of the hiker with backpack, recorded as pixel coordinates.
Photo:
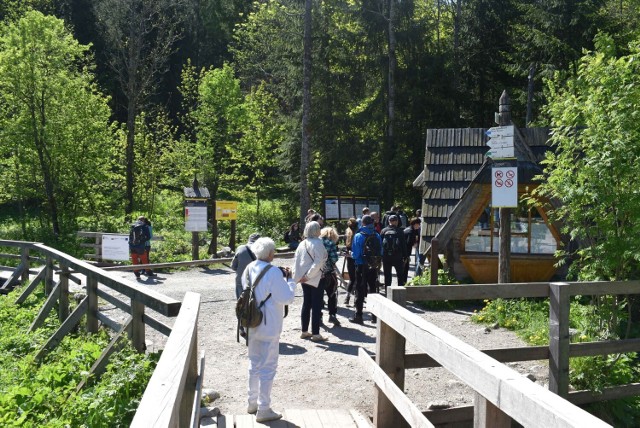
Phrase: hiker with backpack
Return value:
(366, 252)
(274, 289)
(309, 260)
(241, 259)
(394, 251)
(139, 234)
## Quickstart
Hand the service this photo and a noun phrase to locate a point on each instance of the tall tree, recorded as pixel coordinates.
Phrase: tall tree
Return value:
(140, 37)
(307, 63)
(52, 116)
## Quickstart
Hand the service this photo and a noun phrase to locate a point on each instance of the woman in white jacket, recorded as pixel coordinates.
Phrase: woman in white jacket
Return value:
(310, 258)
(276, 289)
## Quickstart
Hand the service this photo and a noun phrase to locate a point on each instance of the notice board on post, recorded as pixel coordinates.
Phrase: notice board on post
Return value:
(345, 207)
(195, 215)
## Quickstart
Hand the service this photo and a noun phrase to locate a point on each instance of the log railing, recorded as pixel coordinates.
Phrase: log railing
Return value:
(501, 393)
(174, 389)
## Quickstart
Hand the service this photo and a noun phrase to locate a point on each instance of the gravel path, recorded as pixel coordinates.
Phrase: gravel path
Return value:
(317, 375)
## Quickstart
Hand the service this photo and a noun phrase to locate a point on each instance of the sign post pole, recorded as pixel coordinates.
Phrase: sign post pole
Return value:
(504, 254)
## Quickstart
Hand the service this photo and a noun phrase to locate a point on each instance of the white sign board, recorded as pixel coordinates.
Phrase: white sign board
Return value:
(501, 142)
(331, 209)
(504, 187)
(115, 247)
(501, 153)
(195, 219)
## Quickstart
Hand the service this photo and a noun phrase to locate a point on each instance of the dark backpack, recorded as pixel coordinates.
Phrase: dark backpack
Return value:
(139, 234)
(371, 250)
(287, 238)
(391, 243)
(248, 309)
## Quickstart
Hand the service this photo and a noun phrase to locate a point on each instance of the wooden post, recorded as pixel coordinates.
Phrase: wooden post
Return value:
(99, 246)
(63, 298)
(48, 276)
(559, 338)
(137, 326)
(24, 256)
(92, 310)
(232, 238)
(195, 245)
(504, 255)
(390, 351)
(486, 415)
(435, 261)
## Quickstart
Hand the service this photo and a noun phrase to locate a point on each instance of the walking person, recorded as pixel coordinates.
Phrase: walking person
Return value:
(243, 256)
(309, 261)
(394, 251)
(138, 236)
(412, 238)
(352, 229)
(275, 290)
(329, 281)
(367, 251)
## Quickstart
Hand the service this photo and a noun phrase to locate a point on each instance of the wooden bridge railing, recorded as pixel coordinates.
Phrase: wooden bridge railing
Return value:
(501, 393)
(176, 382)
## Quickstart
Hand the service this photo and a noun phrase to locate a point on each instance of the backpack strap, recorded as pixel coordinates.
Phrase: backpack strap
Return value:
(253, 256)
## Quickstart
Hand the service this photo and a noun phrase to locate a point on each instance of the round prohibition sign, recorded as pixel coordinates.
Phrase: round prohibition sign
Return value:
(498, 174)
(511, 174)
(508, 182)
(499, 183)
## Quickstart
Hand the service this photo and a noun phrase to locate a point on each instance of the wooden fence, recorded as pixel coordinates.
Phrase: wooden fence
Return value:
(501, 393)
(176, 378)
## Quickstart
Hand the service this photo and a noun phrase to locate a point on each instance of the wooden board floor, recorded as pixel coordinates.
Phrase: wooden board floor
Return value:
(324, 418)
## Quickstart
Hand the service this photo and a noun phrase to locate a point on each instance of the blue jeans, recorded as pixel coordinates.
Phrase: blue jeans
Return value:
(312, 299)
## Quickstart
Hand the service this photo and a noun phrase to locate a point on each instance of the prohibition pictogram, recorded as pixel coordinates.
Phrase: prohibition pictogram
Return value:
(499, 183)
(508, 182)
(511, 174)
(498, 174)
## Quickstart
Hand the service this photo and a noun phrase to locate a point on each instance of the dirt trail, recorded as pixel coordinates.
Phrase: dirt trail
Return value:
(317, 375)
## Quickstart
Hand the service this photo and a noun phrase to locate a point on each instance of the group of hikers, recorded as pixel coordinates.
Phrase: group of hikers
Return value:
(368, 246)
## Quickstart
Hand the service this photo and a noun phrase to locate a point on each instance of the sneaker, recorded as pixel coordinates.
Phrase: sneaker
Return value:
(357, 319)
(374, 319)
(137, 276)
(252, 409)
(318, 338)
(267, 415)
(305, 335)
(346, 301)
(333, 319)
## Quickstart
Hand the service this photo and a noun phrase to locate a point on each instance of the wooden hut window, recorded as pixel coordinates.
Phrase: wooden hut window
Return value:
(530, 233)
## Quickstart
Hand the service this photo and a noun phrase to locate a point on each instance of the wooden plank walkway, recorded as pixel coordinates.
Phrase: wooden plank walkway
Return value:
(293, 418)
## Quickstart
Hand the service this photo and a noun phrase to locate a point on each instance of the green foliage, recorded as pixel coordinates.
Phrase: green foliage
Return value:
(43, 394)
(594, 168)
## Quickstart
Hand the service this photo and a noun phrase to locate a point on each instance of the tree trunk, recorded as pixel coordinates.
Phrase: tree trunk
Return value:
(305, 150)
(130, 156)
(532, 73)
(390, 150)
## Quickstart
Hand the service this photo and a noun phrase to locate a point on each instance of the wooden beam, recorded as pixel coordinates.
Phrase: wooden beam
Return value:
(610, 393)
(477, 291)
(92, 310)
(32, 286)
(195, 410)
(137, 334)
(390, 350)
(45, 309)
(124, 306)
(604, 348)
(396, 396)
(99, 366)
(157, 325)
(486, 415)
(17, 273)
(67, 326)
(503, 355)
(63, 298)
(112, 324)
(451, 415)
(167, 398)
(559, 338)
(525, 401)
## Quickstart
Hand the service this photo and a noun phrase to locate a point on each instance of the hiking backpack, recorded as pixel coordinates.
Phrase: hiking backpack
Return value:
(139, 234)
(371, 251)
(391, 243)
(248, 309)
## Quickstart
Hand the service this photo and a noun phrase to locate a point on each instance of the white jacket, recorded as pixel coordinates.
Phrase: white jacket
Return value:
(282, 293)
(310, 258)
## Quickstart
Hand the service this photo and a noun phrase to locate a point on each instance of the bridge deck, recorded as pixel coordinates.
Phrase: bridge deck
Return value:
(324, 418)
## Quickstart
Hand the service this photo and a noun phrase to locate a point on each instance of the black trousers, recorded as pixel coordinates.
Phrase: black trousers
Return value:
(330, 285)
(365, 284)
(351, 268)
(393, 262)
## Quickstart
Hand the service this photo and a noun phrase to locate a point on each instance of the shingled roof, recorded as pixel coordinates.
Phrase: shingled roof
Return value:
(455, 158)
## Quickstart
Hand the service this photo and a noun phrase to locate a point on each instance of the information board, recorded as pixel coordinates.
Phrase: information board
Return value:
(504, 187)
(226, 210)
(115, 247)
(345, 207)
(195, 218)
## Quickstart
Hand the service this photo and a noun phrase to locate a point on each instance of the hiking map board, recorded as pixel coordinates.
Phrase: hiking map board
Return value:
(344, 207)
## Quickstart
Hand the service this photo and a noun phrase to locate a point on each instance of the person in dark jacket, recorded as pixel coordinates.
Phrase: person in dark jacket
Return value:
(137, 246)
(412, 239)
(394, 252)
(366, 274)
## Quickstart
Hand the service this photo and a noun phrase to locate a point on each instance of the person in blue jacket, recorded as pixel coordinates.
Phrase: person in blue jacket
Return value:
(367, 253)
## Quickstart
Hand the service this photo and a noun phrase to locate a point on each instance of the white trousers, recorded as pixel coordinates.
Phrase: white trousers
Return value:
(263, 362)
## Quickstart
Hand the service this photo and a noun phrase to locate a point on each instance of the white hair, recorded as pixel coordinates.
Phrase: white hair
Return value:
(263, 248)
(312, 229)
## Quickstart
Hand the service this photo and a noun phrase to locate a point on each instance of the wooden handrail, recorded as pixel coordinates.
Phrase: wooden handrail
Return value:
(513, 394)
(167, 400)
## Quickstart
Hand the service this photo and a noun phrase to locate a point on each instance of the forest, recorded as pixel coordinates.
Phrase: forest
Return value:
(109, 108)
